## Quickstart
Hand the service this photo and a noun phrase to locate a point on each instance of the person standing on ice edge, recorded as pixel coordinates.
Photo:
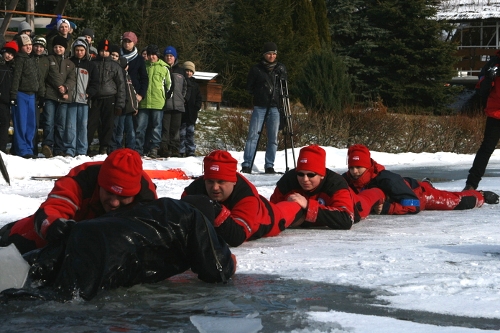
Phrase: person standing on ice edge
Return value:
(263, 84)
(87, 191)
(322, 193)
(490, 86)
(406, 195)
(240, 212)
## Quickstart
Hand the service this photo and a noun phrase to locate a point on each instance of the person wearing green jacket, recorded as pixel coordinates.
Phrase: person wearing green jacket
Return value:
(150, 115)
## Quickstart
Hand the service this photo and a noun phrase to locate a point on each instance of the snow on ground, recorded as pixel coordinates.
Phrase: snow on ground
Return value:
(439, 262)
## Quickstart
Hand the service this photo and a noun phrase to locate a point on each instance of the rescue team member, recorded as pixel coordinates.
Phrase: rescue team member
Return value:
(240, 212)
(322, 193)
(406, 195)
(87, 191)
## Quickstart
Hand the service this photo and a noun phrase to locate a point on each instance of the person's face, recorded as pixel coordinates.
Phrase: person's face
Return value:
(219, 190)
(27, 48)
(270, 56)
(111, 201)
(26, 32)
(8, 56)
(64, 29)
(104, 54)
(189, 73)
(152, 57)
(38, 49)
(79, 52)
(169, 59)
(144, 55)
(88, 39)
(127, 44)
(356, 171)
(115, 56)
(308, 180)
(59, 50)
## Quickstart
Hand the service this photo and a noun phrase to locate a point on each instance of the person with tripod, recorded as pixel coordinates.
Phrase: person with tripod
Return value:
(263, 83)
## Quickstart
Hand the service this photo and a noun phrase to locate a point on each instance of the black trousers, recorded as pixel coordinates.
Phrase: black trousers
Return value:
(102, 119)
(4, 126)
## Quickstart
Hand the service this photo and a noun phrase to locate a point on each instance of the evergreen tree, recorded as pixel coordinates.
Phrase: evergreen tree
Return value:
(319, 7)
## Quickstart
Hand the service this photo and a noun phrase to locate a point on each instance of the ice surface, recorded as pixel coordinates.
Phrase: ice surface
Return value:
(14, 268)
(206, 324)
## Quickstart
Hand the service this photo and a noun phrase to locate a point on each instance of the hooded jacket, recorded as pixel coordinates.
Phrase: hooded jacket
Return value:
(178, 89)
(87, 77)
(61, 72)
(159, 84)
(111, 81)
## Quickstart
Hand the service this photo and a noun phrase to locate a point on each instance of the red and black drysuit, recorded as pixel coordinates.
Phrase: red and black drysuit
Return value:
(246, 215)
(74, 197)
(406, 195)
(330, 204)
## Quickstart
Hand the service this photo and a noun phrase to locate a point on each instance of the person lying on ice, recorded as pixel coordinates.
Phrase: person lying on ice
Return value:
(406, 195)
(87, 191)
(146, 243)
(323, 194)
(241, 213)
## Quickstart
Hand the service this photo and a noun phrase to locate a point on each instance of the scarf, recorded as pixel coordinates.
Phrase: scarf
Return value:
(269, 65)
(130, 55)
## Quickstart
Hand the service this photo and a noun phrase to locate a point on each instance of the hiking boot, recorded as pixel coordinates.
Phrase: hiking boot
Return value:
(246, 170)
(491, 198)
(153, 153)
(468, 187)
(270, 170)
(47, 152)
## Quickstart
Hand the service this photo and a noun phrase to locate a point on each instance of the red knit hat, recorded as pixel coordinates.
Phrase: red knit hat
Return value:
(312, 158)
(219, 164)
(12, 47)
(358, 156)
(121, 173)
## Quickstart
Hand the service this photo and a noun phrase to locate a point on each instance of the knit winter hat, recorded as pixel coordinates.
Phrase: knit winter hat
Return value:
(130, 36)
(88, 32)
(40, 41)
(60, 40)
(190, 65)
(312, 158)
(23, 40)
(103, 45)
(61, 21)
(121, 173)
(269, 47)
(114, 48)
(152, 49)
(170, 50)
(80, 42)
(219, 164)
(24, 26)
(10, 47)
(358, 156)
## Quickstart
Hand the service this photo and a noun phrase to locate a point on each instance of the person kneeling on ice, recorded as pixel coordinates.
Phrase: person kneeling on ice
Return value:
(146, 243)
(241, 213)
(322, 193)
(406, 195)
(87, 191)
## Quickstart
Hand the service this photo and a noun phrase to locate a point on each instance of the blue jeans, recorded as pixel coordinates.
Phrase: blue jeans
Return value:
(47, 122)
(272, 127)
(148, 132)
(186, 134)
(80, 115)
(64, 131)
(123, 123)
(24, 121)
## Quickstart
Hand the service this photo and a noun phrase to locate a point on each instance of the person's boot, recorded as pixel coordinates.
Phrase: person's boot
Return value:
(47, 152)
(491, 198)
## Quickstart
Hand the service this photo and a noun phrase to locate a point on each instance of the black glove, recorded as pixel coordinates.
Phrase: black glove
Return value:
(59, 229)
(217, 207)
(13, 102)
(41, 103)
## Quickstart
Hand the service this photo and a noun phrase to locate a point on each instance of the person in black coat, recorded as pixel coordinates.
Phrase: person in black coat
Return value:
(8, 53)
(192, 106)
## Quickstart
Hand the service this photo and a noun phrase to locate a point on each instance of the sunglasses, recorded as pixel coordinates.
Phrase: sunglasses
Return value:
(309, 175)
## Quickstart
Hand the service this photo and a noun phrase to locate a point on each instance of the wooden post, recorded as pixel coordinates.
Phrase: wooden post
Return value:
(6, 21)
(30, 7)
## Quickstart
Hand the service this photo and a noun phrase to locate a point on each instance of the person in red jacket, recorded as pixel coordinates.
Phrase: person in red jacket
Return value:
(322, 193)
(240, 212)
(87, 191)
(406, 195)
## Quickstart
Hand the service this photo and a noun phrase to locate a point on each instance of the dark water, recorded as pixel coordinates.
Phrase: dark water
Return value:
(280, 304)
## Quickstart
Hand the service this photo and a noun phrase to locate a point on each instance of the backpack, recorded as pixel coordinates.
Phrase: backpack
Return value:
(131, 103)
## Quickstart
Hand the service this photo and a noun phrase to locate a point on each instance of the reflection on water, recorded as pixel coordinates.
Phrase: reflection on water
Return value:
(281, 305)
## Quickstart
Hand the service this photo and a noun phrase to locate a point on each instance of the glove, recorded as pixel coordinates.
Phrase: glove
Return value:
(169, 94)
(41, 103)
(59, 229)
(13, 102)
(221, 214)
(118, 112)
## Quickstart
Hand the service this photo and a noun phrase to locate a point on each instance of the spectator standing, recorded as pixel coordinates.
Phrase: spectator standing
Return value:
(189, 117)
(174, 106)
(139, 77)
(24, 28)
(8, 52)
(89, 37)
(149, 118)
(263, 84)
(87, 84)
(62, 29)
(26, 84)
(59, 82)
(110, 98)
(39, 52)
